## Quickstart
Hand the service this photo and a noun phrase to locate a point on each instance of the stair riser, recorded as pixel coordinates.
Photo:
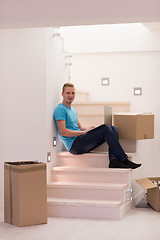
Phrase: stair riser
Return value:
(89, 177)
(95, 120)
(81, 96)
(85, 108)
(84, 212)
(99, 108)
(85, 161)
(86, 193)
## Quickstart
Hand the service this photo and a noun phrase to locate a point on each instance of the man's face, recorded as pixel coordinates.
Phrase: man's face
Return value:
(68, 95)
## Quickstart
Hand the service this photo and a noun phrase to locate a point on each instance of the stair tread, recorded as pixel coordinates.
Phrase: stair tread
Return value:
(90, 114)
(101, 103)
(91, 169)
(80, 202)
(88, 185)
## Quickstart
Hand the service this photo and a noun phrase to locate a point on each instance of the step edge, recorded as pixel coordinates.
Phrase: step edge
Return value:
(102, 102)
(90, 169)
(82, 202)
(91, 114)
(116, 186)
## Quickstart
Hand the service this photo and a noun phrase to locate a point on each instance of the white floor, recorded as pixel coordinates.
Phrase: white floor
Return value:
(138, 224)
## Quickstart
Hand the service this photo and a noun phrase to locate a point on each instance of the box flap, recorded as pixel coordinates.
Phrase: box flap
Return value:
(132, 113)
(128, 113)
(146, 183)
(148, 114)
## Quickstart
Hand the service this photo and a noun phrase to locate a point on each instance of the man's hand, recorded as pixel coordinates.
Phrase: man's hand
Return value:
(88, 129)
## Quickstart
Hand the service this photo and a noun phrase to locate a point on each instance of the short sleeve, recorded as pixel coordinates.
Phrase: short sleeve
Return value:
(59, 114)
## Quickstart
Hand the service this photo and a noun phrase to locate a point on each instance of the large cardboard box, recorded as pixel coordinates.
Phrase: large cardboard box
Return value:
(25, 196)
(134, 125)
(153, 192)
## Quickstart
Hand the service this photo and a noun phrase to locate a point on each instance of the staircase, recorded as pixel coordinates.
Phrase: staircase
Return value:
(82, 186)
(92, 113)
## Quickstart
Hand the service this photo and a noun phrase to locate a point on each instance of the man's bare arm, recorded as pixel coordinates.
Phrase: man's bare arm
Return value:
(67, 132)
(80, 126)
(86, 129)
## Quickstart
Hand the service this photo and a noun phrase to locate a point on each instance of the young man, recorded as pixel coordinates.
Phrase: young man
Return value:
(79, 140)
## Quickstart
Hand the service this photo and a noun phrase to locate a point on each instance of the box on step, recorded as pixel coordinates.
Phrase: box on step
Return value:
(134, 126)
(25, 197)
(153, 191)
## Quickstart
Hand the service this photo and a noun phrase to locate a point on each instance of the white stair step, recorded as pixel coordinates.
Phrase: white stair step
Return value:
(81, 96)
(92, 159)
(88, 119)
(96, 175)
(94, 191)
(83, 160)
(89, 209)
(85, 107)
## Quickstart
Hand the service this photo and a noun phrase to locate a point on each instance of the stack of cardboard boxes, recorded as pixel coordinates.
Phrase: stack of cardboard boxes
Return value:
(137, 126)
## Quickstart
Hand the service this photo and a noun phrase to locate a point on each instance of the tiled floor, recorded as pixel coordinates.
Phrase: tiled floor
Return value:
(138, 224)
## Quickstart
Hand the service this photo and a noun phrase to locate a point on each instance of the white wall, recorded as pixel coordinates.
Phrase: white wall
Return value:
(56, 77)
(32, 72)
(23, 93)
(133, 62)
(125, 70)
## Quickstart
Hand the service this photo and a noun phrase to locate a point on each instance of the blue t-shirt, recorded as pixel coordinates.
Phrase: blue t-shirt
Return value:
(62, 112)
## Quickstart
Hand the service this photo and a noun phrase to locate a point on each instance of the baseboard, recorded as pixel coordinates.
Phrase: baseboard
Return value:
(125, 208)
(138, 197)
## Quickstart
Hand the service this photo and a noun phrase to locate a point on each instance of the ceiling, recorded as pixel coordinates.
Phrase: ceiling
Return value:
(49, 13)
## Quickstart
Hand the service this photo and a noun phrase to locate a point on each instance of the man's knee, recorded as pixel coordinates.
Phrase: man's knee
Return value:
(107, 128)
(114, 128)
(110, 128)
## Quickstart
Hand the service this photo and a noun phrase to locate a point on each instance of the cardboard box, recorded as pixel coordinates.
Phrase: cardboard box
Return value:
(153, 192)
(25, 194)
(134, 125)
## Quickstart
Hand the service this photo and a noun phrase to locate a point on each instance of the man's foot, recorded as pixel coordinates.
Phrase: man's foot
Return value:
(131, 164)
(115, 163)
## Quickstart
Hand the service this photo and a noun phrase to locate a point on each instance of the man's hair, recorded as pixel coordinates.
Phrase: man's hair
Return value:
(67, 85)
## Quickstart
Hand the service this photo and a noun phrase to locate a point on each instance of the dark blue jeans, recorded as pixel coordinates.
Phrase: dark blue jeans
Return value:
(95, 137)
